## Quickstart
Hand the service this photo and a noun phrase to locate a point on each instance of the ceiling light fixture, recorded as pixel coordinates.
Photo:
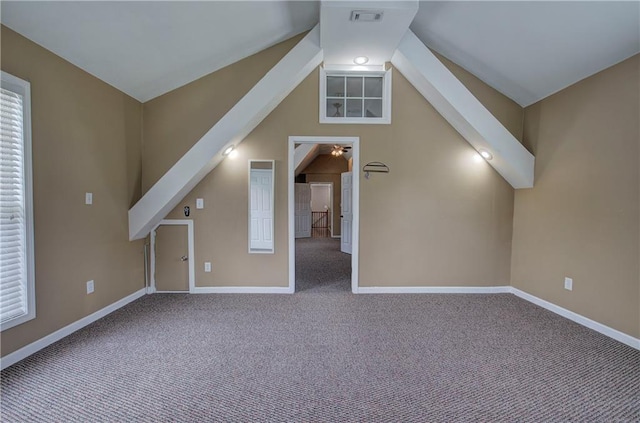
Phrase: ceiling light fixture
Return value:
(485, 154)
(360, 60)
(337, 151)
(228, 150)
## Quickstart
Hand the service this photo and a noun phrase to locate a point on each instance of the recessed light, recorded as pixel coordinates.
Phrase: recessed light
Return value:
(360, 60)
(228, 150)
(485, 154)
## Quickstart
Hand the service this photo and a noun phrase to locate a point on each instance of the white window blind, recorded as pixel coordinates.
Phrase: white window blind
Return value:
(16, 259)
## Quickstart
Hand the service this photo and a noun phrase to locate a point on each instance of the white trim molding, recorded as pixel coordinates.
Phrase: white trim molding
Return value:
(242, 290)
(433, 290)
(578, 318)
(355, 247)
(41, 343)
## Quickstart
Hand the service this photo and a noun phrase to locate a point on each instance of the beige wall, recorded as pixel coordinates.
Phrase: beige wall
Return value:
(86, 138)
(581, 219)
(175, 121)
(327, 168)
(438, 218)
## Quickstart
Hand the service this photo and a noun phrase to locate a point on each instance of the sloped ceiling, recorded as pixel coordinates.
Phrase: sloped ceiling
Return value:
(526, 50)
(147, 48)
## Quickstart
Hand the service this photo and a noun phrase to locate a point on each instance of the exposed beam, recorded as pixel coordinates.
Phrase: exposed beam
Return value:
(231, 129)
(303, 155)
(463, 111)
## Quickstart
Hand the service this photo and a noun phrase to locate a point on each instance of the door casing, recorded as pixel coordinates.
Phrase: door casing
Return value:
(192, 268)
(355, 246)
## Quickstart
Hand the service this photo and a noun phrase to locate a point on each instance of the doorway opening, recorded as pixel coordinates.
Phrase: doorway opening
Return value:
(322, 210)
(328, 260)
(172, 252)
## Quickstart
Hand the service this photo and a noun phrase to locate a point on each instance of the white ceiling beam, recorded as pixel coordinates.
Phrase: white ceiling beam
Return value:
(231, 129)
(463, 111)
(303, 155)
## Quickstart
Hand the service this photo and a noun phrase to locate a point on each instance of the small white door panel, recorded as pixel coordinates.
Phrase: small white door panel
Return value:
(261, 214)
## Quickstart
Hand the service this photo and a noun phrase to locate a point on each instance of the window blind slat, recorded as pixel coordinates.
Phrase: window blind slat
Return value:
(13, 283)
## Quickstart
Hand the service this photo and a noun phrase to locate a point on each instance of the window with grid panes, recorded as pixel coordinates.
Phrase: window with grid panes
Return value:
(355, 97)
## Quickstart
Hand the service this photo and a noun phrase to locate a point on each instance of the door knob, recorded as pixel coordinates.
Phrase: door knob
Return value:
(184, 258)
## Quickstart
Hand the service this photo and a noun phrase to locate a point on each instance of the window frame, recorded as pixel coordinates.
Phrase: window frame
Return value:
(386, 97)
(23, 88)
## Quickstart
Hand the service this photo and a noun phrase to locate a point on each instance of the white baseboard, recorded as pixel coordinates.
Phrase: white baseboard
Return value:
(433, 289)
(584, 321)
(36, 346)
(242, 290)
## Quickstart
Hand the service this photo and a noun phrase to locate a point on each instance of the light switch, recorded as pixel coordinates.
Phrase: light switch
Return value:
(207, 266)
(199, 203)
(88, 198)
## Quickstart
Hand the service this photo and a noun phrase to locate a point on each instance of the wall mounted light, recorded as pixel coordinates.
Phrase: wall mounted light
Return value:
(360, 60)
(484, 153)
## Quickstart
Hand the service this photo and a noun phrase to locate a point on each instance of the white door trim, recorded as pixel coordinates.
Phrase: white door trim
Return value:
(192, 265)
(355, 143)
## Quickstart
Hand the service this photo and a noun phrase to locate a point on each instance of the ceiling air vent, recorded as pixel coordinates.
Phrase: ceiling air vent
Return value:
(366, 15)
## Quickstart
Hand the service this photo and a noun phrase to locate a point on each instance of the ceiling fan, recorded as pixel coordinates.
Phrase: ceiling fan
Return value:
(339, 150)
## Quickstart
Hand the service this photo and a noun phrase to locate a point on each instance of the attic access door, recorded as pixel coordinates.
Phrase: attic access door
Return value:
(172, 252)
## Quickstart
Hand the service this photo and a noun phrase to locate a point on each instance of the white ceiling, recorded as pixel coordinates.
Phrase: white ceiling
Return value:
(147, 48)
(529, 50)
(342, 40)
(526, 50)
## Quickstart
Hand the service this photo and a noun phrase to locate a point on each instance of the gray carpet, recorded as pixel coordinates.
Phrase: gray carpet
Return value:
(321, 266)
(327, 357)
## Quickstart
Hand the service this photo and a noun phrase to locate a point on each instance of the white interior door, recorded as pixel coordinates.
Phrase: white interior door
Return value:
(346, 212)
(302, 210)
(261, 204)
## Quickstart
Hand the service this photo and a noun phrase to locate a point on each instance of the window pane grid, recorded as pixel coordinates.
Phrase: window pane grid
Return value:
(361, 95)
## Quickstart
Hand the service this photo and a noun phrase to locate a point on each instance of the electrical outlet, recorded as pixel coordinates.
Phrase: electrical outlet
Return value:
(90, 287)
(207, 266)
(88, 198)
(568, 284)
(199, 203)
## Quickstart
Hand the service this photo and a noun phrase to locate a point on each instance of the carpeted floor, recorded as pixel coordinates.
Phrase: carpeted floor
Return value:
(327, 356)
(321, 266)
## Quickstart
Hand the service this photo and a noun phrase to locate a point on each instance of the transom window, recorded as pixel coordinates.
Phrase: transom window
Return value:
(355, 97)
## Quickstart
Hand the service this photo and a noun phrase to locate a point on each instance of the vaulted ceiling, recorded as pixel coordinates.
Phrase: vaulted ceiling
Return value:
(526, 50)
